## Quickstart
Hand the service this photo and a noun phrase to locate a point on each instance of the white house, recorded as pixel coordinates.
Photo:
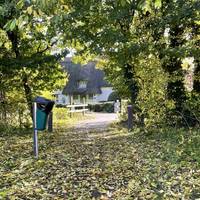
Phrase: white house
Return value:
(86, 84)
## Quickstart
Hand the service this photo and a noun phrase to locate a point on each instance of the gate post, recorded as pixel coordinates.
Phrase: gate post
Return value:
(130, 117)
(50, 122)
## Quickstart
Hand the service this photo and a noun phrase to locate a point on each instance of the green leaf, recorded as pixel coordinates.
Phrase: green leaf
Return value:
(7, 45)
(30, 10)
(3, 193)
(197, 22)
(158, 3)
(1, 10)
(145, 5)
(20, 21)
(13, 25)
(20, 4)
(10, 25)
(124, 2)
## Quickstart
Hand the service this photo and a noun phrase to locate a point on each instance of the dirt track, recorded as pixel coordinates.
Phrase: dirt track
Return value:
(97, 121)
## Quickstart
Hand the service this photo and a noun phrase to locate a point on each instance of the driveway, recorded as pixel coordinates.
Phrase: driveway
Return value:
(97, 121)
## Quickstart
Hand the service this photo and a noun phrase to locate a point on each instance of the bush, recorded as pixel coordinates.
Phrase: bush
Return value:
(105, 107)
(113, 96)
(62, 118)
(14, 113)
(123, 113)
(192, 109)
(151, 102)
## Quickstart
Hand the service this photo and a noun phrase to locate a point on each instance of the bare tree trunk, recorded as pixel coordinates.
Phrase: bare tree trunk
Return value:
(28, 94)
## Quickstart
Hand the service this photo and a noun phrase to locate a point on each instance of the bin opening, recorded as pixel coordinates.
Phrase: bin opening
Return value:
(44, 104)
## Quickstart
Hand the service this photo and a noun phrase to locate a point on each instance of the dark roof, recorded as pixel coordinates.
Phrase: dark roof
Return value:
(94, 77)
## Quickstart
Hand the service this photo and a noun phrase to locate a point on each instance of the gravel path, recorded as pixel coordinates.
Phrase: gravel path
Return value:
(97, 121)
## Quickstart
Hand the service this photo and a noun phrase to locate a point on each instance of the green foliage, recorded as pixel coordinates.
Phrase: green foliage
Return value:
(192, 105)
(141, 46)
(152, 99)
(123, 110)
(62, 118)
(103, 107)
(14, 110)
(113, 97)
(28, 63)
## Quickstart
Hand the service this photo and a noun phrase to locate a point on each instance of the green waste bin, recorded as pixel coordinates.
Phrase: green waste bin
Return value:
(44, 107)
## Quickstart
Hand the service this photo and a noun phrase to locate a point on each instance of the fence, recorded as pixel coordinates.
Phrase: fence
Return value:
(78, 108)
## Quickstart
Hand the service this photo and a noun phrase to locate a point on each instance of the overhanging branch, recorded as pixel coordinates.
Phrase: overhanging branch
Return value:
(47, 48)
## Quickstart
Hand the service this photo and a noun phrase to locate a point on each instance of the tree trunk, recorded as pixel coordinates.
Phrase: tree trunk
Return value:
(14, 38)
(131, 82)
(28, 94)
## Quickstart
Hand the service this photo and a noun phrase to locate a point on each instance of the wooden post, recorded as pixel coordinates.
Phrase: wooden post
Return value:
(79, 99)
(84, 102)
(35, 134)
(87, 98)
(50, 122)
(71, 102)
(130, 117)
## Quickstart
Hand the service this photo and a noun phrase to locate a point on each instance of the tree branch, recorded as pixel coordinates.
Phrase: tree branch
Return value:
(47, 48)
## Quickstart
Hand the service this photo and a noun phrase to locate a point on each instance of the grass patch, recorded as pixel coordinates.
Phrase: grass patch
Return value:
(63, 120)
(113, 164)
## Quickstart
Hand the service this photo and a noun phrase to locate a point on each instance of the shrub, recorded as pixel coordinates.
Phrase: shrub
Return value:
(104, 107)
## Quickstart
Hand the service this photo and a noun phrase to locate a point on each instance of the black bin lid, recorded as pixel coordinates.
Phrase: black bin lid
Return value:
(44, 104)
(42, 100)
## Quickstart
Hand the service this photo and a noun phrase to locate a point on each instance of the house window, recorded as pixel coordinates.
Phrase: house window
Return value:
(82, 84)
